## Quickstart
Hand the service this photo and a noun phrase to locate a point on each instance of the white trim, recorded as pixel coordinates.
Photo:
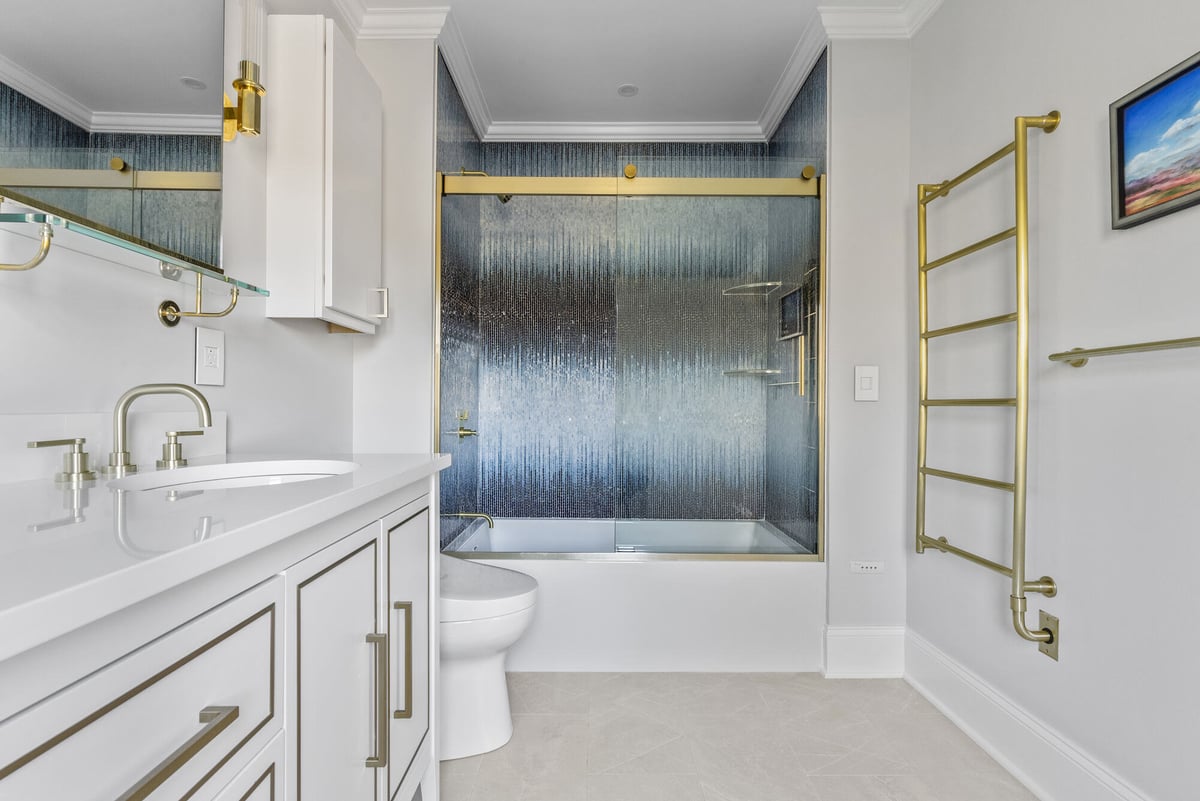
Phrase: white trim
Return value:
(804, 57)
(1050, 765)
(864, 652)
(41, 92)
(349, 14)
(877, 22)
(458, 61)
(117, 122)
(624, 132)
(403, 23)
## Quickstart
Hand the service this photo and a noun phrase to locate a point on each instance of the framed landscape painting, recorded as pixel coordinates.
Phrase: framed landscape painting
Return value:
(1155, 141)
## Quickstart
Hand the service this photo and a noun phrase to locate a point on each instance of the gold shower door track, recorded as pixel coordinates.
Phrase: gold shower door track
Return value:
(1047, 635)
(808, 184)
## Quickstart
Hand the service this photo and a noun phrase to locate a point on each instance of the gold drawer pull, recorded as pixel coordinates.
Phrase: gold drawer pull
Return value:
(216, 719)
(406, 608)
(380, 641)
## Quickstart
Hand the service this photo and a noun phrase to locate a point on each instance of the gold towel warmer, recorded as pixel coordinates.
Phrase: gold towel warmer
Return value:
(1047, 634)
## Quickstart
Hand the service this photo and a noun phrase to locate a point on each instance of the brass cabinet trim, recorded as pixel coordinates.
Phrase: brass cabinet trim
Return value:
(269, 773)
(80, 725)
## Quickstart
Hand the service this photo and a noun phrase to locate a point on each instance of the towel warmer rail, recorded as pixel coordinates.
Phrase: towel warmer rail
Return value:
(1046, 635)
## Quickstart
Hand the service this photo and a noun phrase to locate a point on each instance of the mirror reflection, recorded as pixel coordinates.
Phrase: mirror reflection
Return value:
(114, 120)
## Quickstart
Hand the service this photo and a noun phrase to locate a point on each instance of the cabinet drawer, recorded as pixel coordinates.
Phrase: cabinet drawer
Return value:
(262, 779)
(162, 721)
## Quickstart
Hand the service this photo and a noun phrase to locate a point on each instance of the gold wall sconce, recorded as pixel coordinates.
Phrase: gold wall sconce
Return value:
(245, 117)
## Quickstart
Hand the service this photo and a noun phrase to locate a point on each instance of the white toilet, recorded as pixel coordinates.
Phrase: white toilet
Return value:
(482, 612)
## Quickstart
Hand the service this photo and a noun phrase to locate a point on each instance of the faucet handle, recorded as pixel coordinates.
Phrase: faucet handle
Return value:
(75, 461)
(172, 450)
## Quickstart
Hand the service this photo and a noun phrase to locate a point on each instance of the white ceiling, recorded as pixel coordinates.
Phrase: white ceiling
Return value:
(526, 69)
(706, 69)
(116, 65)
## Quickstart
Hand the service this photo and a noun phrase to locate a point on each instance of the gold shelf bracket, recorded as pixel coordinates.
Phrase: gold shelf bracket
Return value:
(39, 257)
(169, 313)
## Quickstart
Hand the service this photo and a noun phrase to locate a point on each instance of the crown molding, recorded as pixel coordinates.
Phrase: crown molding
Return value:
(117, 122)
(804, 57)
(348, 14)
(624, 132)
(877, 22)
(402, 23)
(458, 61)
(41, 92)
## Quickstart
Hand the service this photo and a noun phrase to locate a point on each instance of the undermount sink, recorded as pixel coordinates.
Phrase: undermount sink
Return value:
(235, 474)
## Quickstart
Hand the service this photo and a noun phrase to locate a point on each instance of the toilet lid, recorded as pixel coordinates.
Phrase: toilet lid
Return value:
(473, 591)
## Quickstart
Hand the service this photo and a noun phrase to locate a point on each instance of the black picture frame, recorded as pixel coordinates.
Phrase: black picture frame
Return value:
(1161, 179)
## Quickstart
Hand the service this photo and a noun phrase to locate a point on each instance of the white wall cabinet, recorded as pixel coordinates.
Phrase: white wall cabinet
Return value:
(324, 217)
(307, 678)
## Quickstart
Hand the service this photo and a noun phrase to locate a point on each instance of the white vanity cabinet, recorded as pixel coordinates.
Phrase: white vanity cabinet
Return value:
(287, 659)
(324, 215)
(359, 701)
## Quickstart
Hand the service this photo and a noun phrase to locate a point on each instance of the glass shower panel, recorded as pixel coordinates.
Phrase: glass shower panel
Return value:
(691, 397)
(547, 327)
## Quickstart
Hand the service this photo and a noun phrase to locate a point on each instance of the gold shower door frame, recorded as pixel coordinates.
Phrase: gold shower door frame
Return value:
(621, 186)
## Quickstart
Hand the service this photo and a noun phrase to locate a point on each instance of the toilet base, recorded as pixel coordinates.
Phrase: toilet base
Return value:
(473, 711)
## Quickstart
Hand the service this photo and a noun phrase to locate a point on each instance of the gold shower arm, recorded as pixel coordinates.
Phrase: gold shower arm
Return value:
(47, 235)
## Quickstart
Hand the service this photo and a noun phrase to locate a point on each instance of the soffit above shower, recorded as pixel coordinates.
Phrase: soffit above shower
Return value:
(549, 70)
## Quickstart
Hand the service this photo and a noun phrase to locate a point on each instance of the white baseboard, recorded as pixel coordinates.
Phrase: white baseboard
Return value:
(864, 652)
(1051, 766)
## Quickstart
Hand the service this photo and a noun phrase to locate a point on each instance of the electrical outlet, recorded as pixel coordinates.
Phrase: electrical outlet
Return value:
(866, 567)
(210, 357)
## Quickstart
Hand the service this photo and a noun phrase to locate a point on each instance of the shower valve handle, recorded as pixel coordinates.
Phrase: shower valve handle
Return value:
(466, 432)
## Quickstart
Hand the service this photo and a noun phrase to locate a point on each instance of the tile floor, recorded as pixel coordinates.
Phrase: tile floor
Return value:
(725, 737)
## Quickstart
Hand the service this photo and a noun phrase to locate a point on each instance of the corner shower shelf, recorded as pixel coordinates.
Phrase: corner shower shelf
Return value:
(753, 371)
(760, 289)
(82, 238)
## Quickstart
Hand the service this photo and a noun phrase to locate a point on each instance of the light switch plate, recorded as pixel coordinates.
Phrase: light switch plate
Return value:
(866, 382)
(210, 357)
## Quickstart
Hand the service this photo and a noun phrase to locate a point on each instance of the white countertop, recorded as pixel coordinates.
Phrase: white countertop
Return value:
(54, 579)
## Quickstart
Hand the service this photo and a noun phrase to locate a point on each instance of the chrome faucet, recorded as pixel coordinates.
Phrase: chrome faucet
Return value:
(118, 461)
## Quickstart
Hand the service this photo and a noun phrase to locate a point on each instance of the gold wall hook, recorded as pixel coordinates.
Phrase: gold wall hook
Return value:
(43, 249)
(169, 313)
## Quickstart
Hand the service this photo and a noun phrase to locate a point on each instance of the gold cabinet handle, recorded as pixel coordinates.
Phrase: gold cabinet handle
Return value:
(406, 608)
(216, 719)
(380, 760)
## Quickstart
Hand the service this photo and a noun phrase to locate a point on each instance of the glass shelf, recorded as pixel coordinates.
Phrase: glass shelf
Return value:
(169, 265)
(756, 371)
(760, 289)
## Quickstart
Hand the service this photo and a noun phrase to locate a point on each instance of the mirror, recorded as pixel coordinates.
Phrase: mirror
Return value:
(113, 118)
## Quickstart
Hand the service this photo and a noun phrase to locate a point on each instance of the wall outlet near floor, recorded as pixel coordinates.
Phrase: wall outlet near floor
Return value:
(210, 357)
(866, 567)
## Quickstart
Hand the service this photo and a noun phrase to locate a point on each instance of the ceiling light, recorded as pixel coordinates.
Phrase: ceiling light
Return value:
(193, 83)
(627, 90)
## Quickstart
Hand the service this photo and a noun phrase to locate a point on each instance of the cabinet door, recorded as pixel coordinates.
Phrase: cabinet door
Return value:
(262, 780)
(408, 609)
(334, 694)
(353, 182)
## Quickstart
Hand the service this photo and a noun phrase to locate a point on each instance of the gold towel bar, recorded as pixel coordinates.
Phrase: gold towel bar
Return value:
(971, 326)
(1078, 357)
(969, 249)
(970, 402)
(965, 478)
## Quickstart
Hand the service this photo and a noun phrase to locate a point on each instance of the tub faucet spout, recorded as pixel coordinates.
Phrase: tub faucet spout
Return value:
(118, 460)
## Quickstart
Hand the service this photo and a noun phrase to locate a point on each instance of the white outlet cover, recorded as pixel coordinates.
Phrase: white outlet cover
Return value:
(210, 357)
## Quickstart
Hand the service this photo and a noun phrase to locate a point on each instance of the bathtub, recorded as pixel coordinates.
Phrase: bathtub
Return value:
(550, 536)
(631, 598)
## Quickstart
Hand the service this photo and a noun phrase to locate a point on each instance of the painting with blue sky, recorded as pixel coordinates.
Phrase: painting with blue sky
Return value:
(1160, 132)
